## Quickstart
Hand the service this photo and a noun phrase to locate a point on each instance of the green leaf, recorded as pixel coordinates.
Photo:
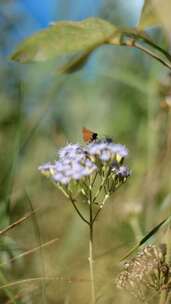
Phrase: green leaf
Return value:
(156, 13)
(80, 39)
(149, 17)
(146, 238)
(121, 36)
(117, 38)
(74, 63)
(64, 37)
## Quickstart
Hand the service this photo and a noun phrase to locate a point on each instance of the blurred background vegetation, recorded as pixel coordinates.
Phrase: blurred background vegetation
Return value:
(120, 92)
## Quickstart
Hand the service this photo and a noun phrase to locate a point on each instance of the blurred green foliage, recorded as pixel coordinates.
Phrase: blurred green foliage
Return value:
(120, 92)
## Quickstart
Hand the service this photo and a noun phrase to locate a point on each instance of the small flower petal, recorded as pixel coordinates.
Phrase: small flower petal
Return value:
(106, 151)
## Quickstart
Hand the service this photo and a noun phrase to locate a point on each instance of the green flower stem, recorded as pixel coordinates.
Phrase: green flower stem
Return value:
(78, 211)
(104, 179)
(101, 207)
(69, 196)
(90, 259)
(61, 188)
(94, 179)
(104, 201)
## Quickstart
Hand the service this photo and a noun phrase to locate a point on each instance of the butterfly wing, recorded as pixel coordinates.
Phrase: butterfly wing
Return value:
(88, 135)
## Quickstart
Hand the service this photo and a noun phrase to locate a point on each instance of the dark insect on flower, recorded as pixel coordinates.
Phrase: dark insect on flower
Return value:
(108, 140)
(89, 136)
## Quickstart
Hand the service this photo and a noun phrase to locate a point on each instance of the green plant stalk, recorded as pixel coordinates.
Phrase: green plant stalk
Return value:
(131, 42)
(166, 63)
(90, 259)
(90, 223)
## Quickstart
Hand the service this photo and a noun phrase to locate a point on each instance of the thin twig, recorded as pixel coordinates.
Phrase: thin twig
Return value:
(38, 279)
(155, 56)
(131, 42)
(21, 220)
(157, 47)
(30, 251)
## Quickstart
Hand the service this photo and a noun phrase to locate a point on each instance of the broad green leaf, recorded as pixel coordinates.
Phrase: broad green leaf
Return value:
(63, 38)
(121, 36)
(74, 63)
(156, 13)
(117, 38)
(149, 17)
(130, 37)
(80, 39)
(146, 237)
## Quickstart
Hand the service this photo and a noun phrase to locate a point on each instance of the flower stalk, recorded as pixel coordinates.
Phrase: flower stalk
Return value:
(90, 258)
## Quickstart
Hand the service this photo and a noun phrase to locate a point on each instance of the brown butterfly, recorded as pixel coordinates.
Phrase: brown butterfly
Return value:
(89, 136)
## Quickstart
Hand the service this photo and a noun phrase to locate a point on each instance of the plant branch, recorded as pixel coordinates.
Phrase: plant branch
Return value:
(94, 179)
(101, 185)
(101, 207)
(131, 42)
(78, 211)
(155, 56)
(69, 196)
(157, 47)
(21, 220)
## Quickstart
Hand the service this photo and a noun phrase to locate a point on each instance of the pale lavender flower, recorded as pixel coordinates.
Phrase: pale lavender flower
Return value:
(45, 168)
(71, 151)
(61, 178)
(119, 149)
(107, 151)
(76, 162)
(73, 164)
(122, 172)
